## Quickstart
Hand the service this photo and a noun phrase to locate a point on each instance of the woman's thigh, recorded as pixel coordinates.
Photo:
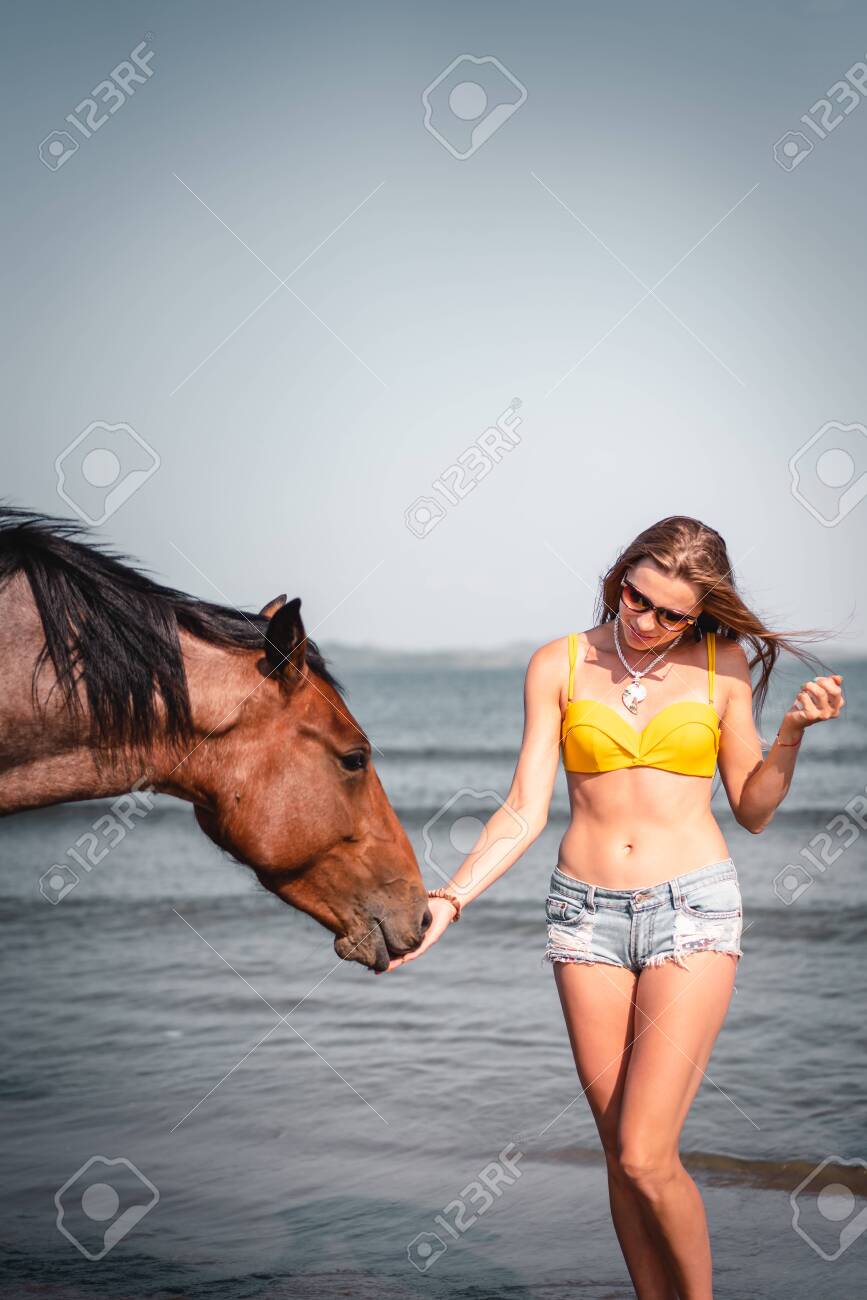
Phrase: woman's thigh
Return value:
(598, 1002)
(678, 1015)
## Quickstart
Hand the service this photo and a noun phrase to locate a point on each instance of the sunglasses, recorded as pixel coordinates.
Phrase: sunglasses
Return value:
(669, 619)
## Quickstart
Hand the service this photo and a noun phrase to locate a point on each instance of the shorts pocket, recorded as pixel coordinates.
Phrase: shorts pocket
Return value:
(715, 900)
(564, 911)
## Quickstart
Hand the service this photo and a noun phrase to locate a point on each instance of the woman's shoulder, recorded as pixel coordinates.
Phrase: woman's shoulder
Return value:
(550, 657)
(732, 671)
(730, 655)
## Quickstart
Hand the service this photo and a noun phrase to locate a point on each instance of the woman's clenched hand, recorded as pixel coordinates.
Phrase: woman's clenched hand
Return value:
(816, 701)
(442, 912)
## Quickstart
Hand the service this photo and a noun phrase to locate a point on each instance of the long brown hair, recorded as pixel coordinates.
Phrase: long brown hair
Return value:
(687, 549)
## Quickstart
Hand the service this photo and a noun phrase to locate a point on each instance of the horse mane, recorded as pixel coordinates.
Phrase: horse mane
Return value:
(113, 629)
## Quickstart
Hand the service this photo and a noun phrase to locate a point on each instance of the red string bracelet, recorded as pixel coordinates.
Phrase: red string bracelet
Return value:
(789, 744)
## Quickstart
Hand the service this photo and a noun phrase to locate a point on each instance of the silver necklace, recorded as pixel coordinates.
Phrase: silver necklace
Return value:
(635, 692)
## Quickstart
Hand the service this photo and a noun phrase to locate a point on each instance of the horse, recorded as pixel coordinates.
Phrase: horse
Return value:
(111, 680)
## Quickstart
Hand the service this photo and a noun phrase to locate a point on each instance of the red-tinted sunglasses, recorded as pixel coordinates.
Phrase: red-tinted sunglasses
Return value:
(669, 619)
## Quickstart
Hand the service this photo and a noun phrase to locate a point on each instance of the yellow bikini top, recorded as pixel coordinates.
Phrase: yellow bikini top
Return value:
(682, 737)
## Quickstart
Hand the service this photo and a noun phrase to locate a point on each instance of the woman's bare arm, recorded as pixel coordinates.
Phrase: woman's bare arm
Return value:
(757, 786)
(511, 830)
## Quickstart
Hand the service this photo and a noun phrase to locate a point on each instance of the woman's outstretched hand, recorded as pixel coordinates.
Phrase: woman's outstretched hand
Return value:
(816, 701)
(441, 912)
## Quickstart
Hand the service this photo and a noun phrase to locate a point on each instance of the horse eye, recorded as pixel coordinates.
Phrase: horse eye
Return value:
(355, 760)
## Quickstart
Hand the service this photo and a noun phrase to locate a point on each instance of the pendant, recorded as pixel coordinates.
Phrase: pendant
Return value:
(633, 695)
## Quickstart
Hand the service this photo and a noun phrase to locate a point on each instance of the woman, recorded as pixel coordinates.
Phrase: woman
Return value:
(644, 908)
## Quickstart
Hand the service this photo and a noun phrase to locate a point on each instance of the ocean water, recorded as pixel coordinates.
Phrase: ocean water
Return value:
(338, 1150)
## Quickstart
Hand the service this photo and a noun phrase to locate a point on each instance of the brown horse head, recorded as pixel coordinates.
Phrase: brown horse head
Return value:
(295, 796)
(110, 677)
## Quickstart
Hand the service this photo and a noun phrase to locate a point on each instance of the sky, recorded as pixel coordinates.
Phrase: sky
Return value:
(422, 312)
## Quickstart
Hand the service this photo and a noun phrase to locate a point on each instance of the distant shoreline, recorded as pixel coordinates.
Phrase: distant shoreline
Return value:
(516, 654)
(341, 655)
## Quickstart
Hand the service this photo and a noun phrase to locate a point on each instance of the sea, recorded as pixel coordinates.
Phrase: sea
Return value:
(199, 1099)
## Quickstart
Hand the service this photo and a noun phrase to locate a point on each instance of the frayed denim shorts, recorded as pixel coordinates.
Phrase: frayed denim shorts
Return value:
(697, 912)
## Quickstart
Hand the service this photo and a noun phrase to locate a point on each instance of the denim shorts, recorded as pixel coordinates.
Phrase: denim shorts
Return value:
(699, 911)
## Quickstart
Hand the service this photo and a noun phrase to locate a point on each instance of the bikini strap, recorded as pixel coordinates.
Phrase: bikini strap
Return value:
(573, 647)
(711, 663)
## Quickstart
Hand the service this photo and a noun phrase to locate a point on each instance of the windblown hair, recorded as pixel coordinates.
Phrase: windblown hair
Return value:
(687, 549)
(113, 631)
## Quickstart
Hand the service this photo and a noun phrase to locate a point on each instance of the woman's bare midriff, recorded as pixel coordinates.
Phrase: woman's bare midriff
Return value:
(637, 827)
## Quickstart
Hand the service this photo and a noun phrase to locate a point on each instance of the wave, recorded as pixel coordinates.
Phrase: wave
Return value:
(843, 755)
(822, 922)
(813, 817)
(447, 753)
(837, 757)
(722, 1169)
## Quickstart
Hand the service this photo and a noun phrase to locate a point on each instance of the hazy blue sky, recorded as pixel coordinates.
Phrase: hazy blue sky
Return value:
(295, 425)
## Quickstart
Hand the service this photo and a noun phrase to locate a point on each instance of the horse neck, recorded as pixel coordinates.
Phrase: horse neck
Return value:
(46, 753)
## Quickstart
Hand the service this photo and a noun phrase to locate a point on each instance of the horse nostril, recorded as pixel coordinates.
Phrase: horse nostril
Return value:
(426, 920)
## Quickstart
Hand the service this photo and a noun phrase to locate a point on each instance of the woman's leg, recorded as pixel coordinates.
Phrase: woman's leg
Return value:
(599, 1009)
(678, 1014)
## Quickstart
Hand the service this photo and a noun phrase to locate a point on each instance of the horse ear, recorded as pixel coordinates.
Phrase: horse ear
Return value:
(269, 610)
(286, 641)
